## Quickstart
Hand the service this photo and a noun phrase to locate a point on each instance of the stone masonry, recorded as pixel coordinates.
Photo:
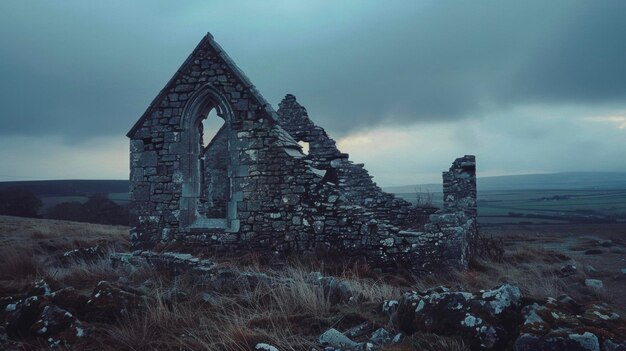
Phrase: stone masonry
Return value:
(252, 188)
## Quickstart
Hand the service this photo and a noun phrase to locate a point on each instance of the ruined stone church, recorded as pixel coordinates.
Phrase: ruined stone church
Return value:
(252, 187)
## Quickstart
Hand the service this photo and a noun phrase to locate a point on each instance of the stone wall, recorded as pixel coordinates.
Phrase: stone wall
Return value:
(353, 179)
(253, 188)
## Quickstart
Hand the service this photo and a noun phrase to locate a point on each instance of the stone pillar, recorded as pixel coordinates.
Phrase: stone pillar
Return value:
(459, 186)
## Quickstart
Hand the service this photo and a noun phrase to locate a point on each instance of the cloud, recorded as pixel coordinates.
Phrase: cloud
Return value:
(85, 69)
(524, 78)
(570, 141)
(33, 158)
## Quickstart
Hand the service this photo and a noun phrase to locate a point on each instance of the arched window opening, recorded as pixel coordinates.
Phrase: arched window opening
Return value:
(305, 147)
(210, 126)
(213, 162)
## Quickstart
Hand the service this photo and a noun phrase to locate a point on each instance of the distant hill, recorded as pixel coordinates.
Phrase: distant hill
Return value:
(72, 187)
(548, 181)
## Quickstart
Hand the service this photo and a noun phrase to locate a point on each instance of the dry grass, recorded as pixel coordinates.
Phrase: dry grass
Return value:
(288, 316)
(58, 235)
(18, 261)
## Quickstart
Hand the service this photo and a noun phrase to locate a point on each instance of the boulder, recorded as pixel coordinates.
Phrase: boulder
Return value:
(265, 347)
(390, 307)
(594, 283)
(334, 338)
(381, 337)
(359, 330)
(337, 290)
(485, 321)
(22, 315)
(563, 324)
(52, 320)
(39, 288)
(567, 270)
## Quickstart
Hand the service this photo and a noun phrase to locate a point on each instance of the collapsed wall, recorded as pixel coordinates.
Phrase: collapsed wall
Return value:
(352, 179)
(253, 188)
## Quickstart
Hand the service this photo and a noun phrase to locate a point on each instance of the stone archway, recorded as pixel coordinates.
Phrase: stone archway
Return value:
(197, 195)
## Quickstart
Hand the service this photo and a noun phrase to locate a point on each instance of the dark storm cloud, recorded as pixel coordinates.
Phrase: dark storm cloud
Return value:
(81, 69)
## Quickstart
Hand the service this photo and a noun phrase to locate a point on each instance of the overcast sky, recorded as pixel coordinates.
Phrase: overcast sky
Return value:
(403, 86)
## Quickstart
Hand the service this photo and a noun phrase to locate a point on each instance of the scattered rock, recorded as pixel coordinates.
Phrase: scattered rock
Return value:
(22, 315)
(397, 338)
(594, 283)
(359, 330)
(334, 338)
(563, 324)
(486, 321)
(567, 270)
(52, 320)
(571, 342)
(265, 347)
(381, 337)
(337, 290)
(390, 307)
(39, 288)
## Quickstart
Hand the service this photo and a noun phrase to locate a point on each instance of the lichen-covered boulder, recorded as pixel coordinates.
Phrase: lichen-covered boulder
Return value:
(52, 320)
(39, 316)
(486, 321)
(39, 288)
(334, 338)
(563, 324)
(22, 314)
(381, 337)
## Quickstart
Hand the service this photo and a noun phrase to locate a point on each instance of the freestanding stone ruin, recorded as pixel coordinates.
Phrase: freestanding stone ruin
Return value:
(253, 188)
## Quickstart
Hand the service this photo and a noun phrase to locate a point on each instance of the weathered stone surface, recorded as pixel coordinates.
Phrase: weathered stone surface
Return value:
(265, 347)
(334, 338)
(40, 314)
(563, 324)
(381, 337)
(252, 187)
(485, 321)
(594, 283)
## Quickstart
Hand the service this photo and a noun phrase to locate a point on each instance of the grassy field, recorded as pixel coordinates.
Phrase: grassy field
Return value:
(545, 206)
(177, 316)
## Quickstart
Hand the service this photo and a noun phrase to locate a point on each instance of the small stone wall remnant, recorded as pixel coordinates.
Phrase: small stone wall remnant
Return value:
(253, 189)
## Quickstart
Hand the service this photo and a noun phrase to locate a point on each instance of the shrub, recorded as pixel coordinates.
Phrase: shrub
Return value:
(19, 202)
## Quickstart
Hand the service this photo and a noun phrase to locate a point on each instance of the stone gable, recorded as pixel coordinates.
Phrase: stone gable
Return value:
(252, 188)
